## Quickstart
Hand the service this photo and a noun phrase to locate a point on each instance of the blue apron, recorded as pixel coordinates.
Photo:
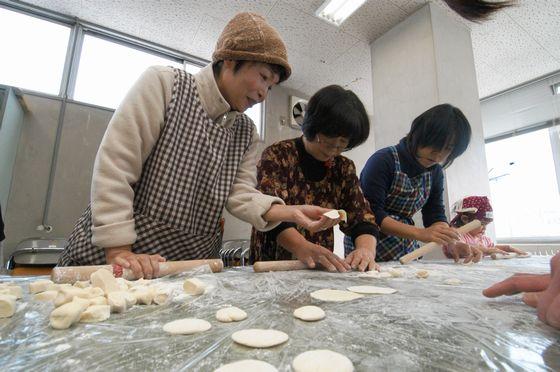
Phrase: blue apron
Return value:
(405, 197)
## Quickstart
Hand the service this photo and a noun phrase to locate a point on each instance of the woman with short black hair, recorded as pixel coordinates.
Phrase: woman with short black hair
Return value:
(311, 170)
(400, 180)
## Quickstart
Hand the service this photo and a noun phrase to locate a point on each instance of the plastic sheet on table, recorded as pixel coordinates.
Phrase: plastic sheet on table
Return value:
(426, 325)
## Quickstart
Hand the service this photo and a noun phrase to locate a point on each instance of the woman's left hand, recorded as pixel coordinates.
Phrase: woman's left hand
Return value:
(362, 259)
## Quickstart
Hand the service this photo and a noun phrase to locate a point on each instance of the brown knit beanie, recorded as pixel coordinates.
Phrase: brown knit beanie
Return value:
(248, 37)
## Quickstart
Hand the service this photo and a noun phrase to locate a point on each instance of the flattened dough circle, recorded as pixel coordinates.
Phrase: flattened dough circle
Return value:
(370, 289)
(309, 313)
(322, 360)
(259, 338)
(230, 314)
(335, 295)
(247, 365)
(186, 326)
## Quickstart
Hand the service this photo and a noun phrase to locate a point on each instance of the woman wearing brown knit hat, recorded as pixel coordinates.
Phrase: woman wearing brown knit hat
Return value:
(177, 150)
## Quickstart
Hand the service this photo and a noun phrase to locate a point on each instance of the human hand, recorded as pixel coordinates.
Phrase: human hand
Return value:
(362, 259)
(141, 265)
(540, 291)
(462, 250)
(313, 254)
(437, 233)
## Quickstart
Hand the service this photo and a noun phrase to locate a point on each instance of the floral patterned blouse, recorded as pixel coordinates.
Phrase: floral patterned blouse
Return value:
(287, 171)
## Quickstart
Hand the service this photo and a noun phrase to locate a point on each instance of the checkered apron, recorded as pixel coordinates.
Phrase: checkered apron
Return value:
(405, 197)
(183, 187)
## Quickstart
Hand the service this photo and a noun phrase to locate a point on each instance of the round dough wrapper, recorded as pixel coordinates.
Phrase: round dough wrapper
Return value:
(230, 314)
(247, 365)
(309, 313)
(422, 274)
(187, 326)
(335, 295)
(453, 281)
(369, 289)
(322, 360)
(259, 338)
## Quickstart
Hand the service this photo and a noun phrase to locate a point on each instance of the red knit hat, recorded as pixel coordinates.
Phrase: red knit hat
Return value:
(477, 206)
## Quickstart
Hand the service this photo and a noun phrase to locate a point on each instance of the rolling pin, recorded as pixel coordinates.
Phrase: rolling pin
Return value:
(431, 246)
(264, 266)
(71, 274)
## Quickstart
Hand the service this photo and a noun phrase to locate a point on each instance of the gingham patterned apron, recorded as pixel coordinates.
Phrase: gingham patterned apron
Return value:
(406, 196)
(183, 187)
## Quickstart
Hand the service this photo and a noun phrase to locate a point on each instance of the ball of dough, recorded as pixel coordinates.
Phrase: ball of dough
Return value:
(117, 302)
(144, 295)
(39, 286)
(95, 314)
(230, 314)
(309, 313)
(186, 326)
(322, 360)
(13, 290)
(194, 286)
(259, 338)
(45, 296)
(452, 281)
(369, 289)
(335, 295)
(7, 305)
(98, 301)
(105, 280)
(64, 316)
(422, 274)
(82, 284)
(246, 365)
(396, 273)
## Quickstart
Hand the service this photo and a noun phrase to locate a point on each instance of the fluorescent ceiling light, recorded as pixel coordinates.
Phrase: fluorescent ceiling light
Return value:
(556, 89)
(336, 11)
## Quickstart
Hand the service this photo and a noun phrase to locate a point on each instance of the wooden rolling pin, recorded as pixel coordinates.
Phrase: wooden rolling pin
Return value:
(264, 266)
(425, 249)
(71, 274)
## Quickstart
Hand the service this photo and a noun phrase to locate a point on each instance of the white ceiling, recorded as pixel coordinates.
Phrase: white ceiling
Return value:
(518, 45)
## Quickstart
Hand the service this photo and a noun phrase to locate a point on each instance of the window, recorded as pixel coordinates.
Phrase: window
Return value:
(107, 70)
(256, 114)
(33, 52)
(524, 185)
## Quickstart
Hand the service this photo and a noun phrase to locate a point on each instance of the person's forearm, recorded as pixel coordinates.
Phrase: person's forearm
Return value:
(278, 213)
(291, 240)
(366, 241)
(389, 226)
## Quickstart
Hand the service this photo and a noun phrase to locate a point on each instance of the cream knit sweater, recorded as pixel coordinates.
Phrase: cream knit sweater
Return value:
(130, 137)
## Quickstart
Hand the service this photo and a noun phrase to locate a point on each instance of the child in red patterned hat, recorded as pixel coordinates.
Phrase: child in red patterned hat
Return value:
(476, 208)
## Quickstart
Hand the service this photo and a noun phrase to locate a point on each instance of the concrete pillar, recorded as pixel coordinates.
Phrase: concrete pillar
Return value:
(426, 60)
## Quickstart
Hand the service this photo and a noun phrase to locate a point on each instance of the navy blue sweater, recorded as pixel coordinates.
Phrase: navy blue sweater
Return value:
(378, 174)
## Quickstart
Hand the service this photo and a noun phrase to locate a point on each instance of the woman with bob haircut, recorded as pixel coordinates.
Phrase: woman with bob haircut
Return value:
(311, 170)
(400, 180)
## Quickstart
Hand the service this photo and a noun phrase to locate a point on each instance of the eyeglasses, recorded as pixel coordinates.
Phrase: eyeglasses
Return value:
(332, 146)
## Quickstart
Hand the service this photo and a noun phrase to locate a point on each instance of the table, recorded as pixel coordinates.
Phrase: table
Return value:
(426, 325)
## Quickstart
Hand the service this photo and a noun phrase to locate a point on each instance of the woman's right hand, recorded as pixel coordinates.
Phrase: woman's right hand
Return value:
(310, 217)
(438, 233)
(141, 265)
(313, 254)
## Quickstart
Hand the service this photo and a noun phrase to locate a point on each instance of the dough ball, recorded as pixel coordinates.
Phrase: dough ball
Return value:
(161, 297)
(13, 290)
(7, 305)
(309, 313)
(105, 280)
(45, 296)
(95, 313)
(68, 314)
(422, 274)
(369, 289)
(322, 360)
(247, 365)
(39, 286)
(335, 295)
(375, 274)
(186, 326)
(82, 284)
(259, 338)
(230, 314)
(98, 301)
(452, 281)
(144, 295)
(396, 273)
(194, 286)
(117, 302)
(67, 294)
